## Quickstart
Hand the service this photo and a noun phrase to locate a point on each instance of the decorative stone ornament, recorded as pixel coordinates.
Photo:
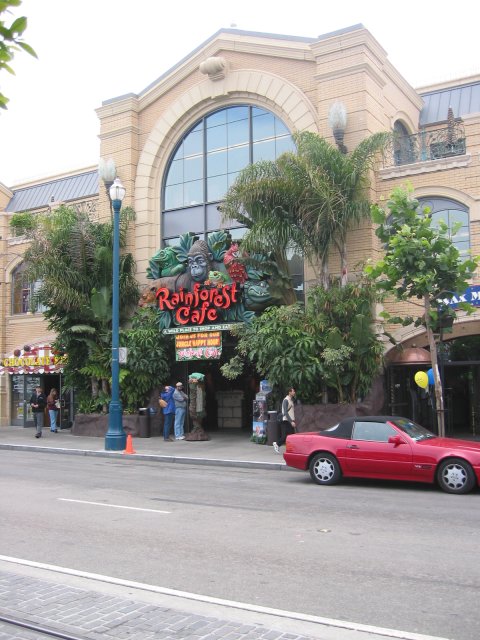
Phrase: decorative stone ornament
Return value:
(215, 68)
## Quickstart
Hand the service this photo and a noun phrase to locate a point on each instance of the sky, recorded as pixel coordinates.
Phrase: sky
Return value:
(94, 50)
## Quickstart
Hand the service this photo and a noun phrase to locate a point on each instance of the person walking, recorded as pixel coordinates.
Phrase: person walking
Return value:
(181, 399)
(38, 403)
(168, 409)
(52, 401)
(288, 425)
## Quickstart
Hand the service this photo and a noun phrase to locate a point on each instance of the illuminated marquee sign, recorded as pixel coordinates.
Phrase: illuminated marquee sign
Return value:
(199, 306)
(206, 345)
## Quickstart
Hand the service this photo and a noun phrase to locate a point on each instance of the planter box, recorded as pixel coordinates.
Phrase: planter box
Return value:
(96, 425)
(316, 417)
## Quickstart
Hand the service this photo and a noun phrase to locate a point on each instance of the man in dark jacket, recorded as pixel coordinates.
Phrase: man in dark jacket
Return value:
(38, 403)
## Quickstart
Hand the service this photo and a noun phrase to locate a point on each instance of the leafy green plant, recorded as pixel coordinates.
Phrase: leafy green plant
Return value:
(22, 222)
(11, 41)
(149, 360)
(71, 256)
(330, 343)
(420, 263)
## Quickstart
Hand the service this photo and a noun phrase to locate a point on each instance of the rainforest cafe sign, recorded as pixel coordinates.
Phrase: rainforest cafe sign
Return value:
(199, 306)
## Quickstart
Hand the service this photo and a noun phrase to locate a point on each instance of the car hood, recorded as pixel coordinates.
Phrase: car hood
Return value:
(452, 443)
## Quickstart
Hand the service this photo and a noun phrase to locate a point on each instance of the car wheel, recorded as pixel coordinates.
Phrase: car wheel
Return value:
(324, 469)
(456, 476)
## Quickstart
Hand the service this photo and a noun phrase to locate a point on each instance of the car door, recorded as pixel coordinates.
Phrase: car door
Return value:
(369, 453)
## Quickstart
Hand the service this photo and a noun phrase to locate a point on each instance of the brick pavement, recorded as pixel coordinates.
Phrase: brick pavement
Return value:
(93, 615)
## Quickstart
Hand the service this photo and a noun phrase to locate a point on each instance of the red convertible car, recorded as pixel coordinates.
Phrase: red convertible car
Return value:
(387, 448)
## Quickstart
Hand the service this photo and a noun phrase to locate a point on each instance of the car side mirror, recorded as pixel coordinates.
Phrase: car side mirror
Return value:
(396, 440)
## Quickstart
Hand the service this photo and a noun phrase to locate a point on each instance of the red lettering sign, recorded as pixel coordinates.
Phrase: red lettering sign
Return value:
(199, 306)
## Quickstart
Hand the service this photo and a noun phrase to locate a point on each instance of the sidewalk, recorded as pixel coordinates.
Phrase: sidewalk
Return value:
(89, 606)
(225, 448)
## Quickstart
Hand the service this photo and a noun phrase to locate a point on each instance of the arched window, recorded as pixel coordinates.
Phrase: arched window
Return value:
(457, 218)
(208, 159)
(403, 145)
(23, 291)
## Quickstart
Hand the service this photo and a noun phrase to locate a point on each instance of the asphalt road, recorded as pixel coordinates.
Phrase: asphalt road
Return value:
(392, 555)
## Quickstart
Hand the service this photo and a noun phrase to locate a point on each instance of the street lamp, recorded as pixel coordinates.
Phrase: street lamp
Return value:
(115, 438)
(107, 172)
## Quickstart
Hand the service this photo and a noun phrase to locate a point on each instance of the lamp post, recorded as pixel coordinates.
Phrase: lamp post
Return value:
(107, 172)
(115, 438)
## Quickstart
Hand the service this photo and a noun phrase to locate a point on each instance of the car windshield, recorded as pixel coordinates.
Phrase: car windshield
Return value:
(414, 430)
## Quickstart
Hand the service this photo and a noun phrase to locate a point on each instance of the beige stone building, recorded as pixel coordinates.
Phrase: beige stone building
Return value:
(179, 144)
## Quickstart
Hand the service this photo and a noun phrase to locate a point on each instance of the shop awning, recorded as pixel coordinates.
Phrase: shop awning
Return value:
(40, 358)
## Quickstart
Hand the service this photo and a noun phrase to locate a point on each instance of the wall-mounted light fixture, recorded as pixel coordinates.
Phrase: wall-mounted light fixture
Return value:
(107, 171)
(337, 119)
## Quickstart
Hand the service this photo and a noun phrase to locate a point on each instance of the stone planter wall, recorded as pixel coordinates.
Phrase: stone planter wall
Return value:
(96, 425)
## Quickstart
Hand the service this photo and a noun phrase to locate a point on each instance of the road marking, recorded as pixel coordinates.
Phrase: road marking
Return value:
(375, 632)
(115, 506)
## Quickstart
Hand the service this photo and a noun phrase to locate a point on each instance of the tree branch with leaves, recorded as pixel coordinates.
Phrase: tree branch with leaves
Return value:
(11, 41)
(421, 262)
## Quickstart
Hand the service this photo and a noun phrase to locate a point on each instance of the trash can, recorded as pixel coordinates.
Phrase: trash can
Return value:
(144, 423)
(273, 431)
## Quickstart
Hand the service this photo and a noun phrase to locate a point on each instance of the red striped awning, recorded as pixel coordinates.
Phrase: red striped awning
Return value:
(40, 358)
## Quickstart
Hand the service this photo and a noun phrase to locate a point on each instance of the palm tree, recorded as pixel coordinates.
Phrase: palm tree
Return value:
(337, 197)
(71, 256)
(265, 199)
(306, 201)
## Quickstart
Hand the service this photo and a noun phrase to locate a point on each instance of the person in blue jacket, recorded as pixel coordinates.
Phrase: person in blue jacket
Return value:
(168, 412)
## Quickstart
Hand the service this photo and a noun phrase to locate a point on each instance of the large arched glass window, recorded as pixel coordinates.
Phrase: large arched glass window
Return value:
(456, 216)
(208, 159)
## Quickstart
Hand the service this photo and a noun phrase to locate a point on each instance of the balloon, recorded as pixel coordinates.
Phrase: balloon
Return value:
(431, 379)
(421, 379)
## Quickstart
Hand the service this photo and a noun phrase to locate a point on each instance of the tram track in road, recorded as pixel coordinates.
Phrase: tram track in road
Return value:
(41, 630)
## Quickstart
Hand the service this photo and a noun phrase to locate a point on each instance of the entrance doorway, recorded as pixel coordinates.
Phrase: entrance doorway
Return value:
(22, 388)
(459, 364)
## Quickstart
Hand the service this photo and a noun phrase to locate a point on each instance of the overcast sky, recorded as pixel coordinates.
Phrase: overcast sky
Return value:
(93, 50)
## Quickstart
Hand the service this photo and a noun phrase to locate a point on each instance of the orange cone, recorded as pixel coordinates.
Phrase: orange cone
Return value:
(129, 448)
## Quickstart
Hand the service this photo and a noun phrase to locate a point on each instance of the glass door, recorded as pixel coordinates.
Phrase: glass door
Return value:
(23, 387)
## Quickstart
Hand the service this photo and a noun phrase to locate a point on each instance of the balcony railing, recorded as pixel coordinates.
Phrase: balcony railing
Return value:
(426, 145)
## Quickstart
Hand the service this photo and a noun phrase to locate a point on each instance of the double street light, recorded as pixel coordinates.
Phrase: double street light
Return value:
(115, 438)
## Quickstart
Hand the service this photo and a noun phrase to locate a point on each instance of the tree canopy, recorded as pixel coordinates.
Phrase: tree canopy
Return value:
(328, 345)
(70, 256)
(421, 262)
(304, 201)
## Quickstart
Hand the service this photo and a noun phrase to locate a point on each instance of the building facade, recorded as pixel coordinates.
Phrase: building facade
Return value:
(179, 144)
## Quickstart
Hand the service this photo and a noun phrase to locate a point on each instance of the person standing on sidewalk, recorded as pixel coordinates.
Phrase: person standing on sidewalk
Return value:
(52, 400)
(168, 410)
(38, 403)
(180, 398)
(288, 425)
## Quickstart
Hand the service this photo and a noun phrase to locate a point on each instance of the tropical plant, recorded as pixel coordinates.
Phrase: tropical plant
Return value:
(71, 256)
(420, 263)
(149, 359)
(305, 202)
(22, 222)
(330, 344)
(11, 41)
(336, 198)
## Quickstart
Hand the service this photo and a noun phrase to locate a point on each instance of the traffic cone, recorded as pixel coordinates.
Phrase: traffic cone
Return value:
(129, 448)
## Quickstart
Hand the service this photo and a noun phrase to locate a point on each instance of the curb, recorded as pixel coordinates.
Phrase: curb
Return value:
(149, 457)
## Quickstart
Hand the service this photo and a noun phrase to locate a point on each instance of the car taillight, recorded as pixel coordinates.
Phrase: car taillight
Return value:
(289, 447)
